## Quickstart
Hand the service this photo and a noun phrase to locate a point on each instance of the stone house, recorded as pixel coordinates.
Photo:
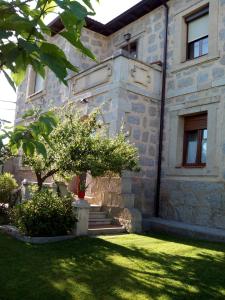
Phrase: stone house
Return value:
(161, 65)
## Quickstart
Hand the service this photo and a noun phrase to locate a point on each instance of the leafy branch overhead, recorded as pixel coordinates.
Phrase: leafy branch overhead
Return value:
(25, 39)
(32, 136)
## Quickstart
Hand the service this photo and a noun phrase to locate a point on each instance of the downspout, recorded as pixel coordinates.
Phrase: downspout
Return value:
(162, 113)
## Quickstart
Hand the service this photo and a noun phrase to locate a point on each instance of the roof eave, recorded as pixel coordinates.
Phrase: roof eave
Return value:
(134, 13)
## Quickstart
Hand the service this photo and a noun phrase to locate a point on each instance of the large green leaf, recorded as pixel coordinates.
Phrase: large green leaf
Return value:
(78, 10)
(5, 34)
(28, 45)
(56, 60)
(9, 80)
(19, 76)
(77, 43)
(28, 148)
(40, 148)
(88, 3)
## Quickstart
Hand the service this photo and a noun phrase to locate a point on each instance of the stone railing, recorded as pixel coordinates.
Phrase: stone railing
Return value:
(117, 71)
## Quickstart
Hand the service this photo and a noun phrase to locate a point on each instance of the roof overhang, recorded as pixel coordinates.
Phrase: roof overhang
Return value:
(135, 12)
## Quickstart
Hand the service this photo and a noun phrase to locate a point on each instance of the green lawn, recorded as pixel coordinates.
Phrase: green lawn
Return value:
(123, 267)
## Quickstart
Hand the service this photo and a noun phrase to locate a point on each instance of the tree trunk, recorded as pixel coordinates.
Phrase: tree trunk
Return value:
(39, 181)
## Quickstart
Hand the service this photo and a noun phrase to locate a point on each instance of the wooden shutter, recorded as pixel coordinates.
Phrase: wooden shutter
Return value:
(195, 122)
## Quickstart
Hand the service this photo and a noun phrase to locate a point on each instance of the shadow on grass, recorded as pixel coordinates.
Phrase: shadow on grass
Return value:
(117, 268)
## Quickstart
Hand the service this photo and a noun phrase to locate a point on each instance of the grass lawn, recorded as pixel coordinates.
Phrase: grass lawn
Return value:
(123, 267)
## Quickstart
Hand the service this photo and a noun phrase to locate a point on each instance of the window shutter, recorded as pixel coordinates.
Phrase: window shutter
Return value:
(198, 28)
(195, 122)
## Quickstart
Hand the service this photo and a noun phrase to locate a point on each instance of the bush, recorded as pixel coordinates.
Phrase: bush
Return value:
(46, 214)
(7, 185)
(4, 215)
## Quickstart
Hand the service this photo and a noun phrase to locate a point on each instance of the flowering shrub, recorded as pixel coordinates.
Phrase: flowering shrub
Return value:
(46, 214)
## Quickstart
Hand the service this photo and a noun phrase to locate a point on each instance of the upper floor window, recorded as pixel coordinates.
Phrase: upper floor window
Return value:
(198, 34)
(132, 49)
(195, 140)
(38, 83)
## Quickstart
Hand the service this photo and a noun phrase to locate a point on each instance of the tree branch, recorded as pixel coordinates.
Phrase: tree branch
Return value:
(49, 174)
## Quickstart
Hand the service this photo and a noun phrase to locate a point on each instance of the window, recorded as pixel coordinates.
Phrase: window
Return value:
(38, 83)
(131, 48)
(195, 140)
(198, 34)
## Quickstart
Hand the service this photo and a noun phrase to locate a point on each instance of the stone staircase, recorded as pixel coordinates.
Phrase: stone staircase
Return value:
(100, 224)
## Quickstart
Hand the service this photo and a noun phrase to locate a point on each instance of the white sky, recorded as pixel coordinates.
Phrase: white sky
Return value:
(106, 10)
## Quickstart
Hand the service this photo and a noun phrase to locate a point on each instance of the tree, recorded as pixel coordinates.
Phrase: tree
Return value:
(31, 137)
(24, 36)
(78, 145)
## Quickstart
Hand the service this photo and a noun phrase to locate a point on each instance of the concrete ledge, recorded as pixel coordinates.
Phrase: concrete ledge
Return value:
(183, 229)
(14, 232)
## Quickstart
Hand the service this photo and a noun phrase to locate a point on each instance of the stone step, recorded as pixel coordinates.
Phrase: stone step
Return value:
(183, 229)
(95, 208)
(97, 215)
(105, 221)
(106, 230)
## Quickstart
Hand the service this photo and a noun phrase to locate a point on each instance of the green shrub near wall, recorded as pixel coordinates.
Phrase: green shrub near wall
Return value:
(7, 185)
(46, 214)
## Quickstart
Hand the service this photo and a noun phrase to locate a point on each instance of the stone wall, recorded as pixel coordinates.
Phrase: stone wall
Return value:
(194, 202)
(190, 195)
(143, 124)
(148, 31)
(128, 94)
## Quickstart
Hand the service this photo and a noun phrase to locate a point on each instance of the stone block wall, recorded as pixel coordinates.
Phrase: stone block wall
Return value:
(189, 195)
(143, 124)
(194, 202)
(195, 196)
(148, 31)
(120, 87)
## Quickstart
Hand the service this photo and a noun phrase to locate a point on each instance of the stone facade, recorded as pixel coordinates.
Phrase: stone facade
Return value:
(195, 196)
(128, 91)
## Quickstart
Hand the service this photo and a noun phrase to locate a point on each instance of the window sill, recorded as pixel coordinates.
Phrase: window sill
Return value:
(200, 166)
(194, 62)
(182, 171)
(36, 95)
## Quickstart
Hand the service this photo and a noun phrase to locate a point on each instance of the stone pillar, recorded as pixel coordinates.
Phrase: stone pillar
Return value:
(81, 211)
(131, 219)
(24, 190)
(126, 191)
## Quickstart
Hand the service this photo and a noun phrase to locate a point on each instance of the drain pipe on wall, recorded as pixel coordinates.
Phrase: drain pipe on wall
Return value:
(162, 112)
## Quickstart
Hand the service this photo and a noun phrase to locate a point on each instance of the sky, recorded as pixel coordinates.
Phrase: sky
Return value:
(106, 10)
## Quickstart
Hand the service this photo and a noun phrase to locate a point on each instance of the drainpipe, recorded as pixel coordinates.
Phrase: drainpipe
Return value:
(162, 112)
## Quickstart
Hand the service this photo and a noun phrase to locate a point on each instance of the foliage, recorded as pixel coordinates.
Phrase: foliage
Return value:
(83, 145)
(31, 137)
(4, 215)
(7, 185)
(77, 145)
(46, 214)
(25, 38)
